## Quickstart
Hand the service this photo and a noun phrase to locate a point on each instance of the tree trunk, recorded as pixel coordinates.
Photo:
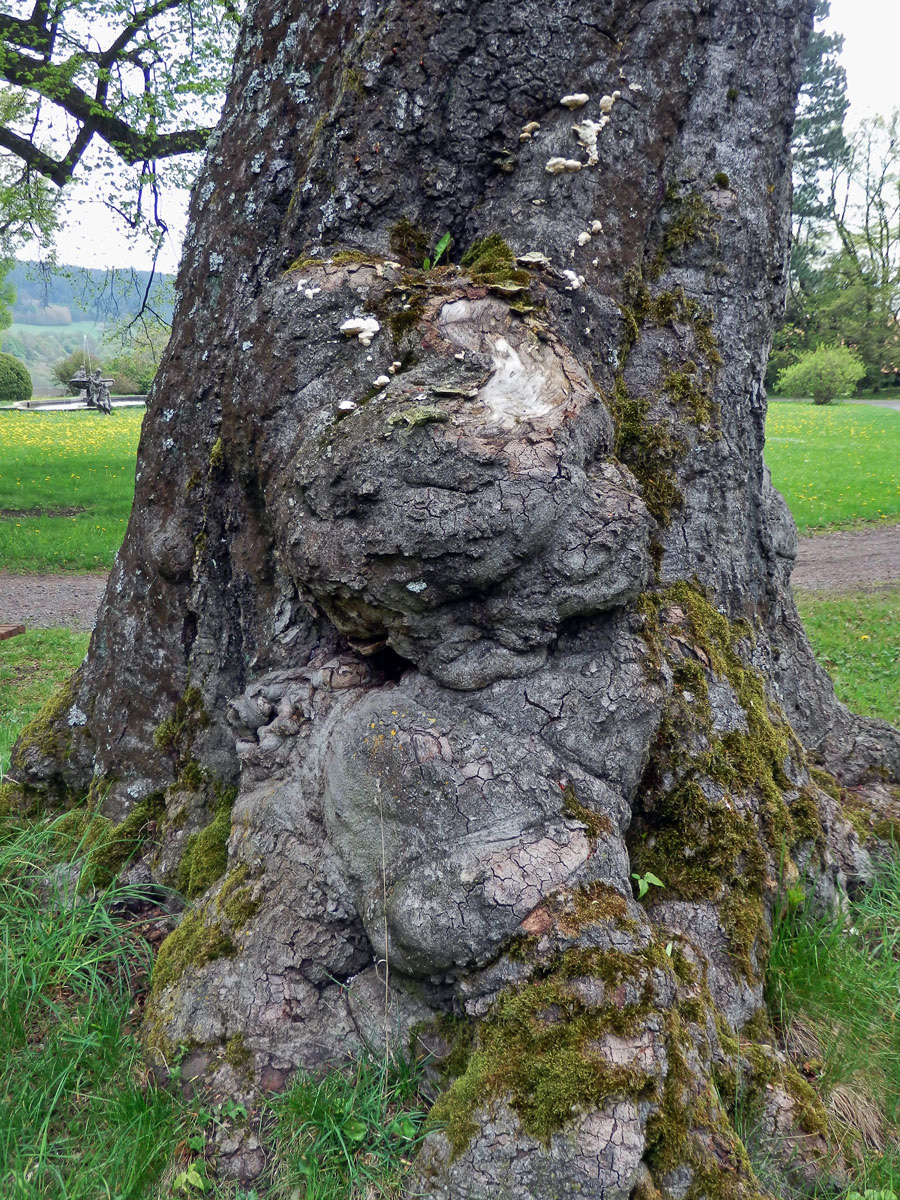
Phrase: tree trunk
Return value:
(455, 597)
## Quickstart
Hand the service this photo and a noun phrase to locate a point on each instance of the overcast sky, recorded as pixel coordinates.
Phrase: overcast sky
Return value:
(871, 30)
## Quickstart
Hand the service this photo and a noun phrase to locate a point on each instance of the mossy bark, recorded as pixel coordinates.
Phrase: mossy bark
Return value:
(473, 583)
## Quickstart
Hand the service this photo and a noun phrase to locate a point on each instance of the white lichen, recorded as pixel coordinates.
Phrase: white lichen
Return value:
(418, 586)
(575, 281)
(575, 100)
(596, 227)
(583, 238)
(533, 258)
(635, 87)
(363, 328)
(560, 166)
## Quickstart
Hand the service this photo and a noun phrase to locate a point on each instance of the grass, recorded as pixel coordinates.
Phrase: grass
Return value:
(77, 471)
(856, 637)
(833, 990)
(837, 466)
(349, 1136)
(32, 667)
(79, 1117)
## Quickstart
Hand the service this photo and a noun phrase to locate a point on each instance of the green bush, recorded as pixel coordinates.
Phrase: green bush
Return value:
(824, 373)
(15, 382)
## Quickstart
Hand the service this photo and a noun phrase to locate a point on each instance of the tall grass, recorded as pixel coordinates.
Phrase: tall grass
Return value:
(833, 989)
(79, 1117)
(32, 667)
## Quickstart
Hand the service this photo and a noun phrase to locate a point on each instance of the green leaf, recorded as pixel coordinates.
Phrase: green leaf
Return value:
(651, 878)
(355, 1130)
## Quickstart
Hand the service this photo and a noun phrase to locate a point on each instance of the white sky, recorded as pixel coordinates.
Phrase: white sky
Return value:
(871, 30)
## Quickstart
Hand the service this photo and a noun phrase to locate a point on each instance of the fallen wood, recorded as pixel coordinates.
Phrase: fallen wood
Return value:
(8, 631)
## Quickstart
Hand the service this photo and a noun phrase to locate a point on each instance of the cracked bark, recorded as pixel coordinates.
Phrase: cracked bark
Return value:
(439, 639)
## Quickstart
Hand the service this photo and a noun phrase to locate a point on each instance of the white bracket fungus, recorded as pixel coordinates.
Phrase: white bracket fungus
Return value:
(528, 130)
(596, 227)
(363, 328)
(575, 281)
(575, 100)
(584, 238)
(533, 258)
(560, 166)
(382, 381)
(587, 133)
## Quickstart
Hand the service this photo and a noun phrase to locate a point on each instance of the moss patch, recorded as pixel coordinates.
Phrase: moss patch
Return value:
(539, 1050)
(597, 824)
(409, 243)
(206, 854)
(648, 448)
(235, 900)
(490, 260)
(690, 831)
(193, 944)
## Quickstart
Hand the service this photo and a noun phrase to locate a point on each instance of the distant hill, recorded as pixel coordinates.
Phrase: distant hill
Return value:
(63, 295)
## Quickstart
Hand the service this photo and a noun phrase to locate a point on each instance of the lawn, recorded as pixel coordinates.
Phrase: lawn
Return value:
(32, 667)
(837, 466)
(66, 488)
(856, 637)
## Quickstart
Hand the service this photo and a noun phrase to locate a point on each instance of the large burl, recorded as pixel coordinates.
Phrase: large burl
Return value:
(454, 598)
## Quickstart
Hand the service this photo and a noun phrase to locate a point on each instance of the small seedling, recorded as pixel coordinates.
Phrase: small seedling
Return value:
(439, 250)
(193, 1179)
(644, 882)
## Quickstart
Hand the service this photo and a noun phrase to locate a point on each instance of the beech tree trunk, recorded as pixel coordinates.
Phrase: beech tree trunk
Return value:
(456, 597)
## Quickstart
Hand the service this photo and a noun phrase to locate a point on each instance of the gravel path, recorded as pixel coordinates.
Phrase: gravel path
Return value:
(850, 560)
(45, 601)
(843, 561)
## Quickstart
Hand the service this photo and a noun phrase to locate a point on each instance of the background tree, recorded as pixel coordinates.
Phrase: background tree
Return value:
(463, 597)
(824, 373)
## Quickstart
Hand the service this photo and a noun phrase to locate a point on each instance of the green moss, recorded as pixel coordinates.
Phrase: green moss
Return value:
(763, 1069)
(648, 448)
(206, 854)
(191, 777)
(176, 733)
(237, 1052)
(597, 824)
(217, 455)
(235, 899)
(489, 260)
(353, 81)
(46, 733)
(691, 221)
(721, 180)
(732, 94)
(539, 1050)
(193, 944)
(12, 799)
(409, 243)
(420, 414)
(194, 481)
(689, 390)
(343, 257)
(304, 263)
(404, 318)
(689, 833)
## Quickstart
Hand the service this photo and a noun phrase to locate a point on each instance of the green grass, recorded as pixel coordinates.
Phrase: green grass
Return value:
(79, 1117)
(352, 1134)
(837, 466)
(32, 667)
(833, 990)
(63, 461)
(856, 637)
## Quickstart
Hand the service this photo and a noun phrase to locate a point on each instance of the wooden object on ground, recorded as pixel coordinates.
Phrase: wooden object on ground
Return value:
(8, 631)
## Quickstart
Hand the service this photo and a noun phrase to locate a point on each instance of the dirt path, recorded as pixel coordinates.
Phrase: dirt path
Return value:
(45, 601)
(848, 561)
(853, 560)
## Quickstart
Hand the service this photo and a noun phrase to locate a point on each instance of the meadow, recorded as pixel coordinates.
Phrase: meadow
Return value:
(80, 1115)
(66, 488)
(838, 466)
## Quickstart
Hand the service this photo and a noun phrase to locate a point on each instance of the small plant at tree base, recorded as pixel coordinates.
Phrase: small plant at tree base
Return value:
(15, 382)
(439, 251)
(824, 373)
(644, 883)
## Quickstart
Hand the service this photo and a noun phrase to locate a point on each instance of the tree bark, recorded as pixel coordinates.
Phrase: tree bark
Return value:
(456, 597)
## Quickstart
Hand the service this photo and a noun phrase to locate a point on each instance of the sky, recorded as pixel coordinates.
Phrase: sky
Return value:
(871, 30)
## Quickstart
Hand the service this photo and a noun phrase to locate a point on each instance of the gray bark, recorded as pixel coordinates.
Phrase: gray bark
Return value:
(467, 639)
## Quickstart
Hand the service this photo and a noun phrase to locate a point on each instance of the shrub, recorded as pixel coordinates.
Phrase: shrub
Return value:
(64, 368)
(824, 373)
(15, 382)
